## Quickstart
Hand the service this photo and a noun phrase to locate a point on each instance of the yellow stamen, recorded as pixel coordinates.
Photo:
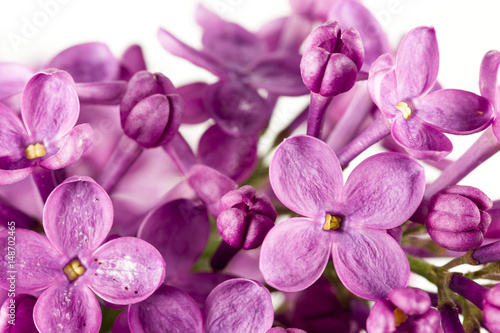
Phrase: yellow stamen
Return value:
(332, 222)
(399, 316)
(405, 109)
(36, 150)
(74, 269)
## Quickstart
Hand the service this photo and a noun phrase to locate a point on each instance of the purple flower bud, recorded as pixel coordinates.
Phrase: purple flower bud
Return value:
(245, 217)
(151, 110)
(457, 219)
(491, 309)
(331, 59)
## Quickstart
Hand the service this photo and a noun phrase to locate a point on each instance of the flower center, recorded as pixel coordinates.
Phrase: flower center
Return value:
(74, 269)
(399, 317)
(36, 150)
(332, 222)
(405, 109)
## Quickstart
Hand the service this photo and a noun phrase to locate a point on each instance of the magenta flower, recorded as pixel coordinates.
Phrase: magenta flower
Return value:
(70, 265)
(47, 135)
(400, 88)
(405, 310)
(347, 222)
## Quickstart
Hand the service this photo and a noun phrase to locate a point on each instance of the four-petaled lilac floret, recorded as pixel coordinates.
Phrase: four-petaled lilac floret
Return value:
(245, 218)
(457, 217)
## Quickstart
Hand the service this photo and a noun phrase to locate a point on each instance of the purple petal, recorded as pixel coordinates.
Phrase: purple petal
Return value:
(77, 216)
(457, 241)
(23, 307)
(294, 254)
(382, 85)
(132, 61)
(125, 270)
(305, 176)
(179, 49)
(179, 229)
(488, 77)
(285, 33)
(352, 46)
(454, 111)
(12, 132)
(381, 318)
(279, 74)
(238, 306)
(167, 310)
(237, 108)
(410, 300)
(417, 63)
(13, 77)
(148, 120)
(49, 105)
(102, 93)
(206, 18)
(234, 156)
(70, 148)
(37, 263)
(354, 14)
(67, 307)
(231, 44)
(384, 191)
(13, 176)
(121, 323)
(210, 185)
(88, 62)
(370, 263)
(421, 140)
(199, 285)
(194, 110)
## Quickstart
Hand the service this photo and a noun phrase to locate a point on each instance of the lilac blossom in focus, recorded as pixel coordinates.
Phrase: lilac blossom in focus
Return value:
(400, 88)
(347, 221)
(69, 265)
(46, 136)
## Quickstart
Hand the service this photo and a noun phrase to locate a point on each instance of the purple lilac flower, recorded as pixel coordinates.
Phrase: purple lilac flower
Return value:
(417, 119)
(47, 136)
(69, 265)
(347, 222)
(488, 143)
(237, 305)
(405, 310)
(457, 218)
(240, 60)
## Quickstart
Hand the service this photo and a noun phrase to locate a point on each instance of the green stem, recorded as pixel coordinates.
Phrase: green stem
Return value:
(465, 259)
(489, 271)
(423, 268)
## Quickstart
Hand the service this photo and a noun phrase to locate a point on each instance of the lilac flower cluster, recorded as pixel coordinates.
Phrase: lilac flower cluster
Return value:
(142, 230)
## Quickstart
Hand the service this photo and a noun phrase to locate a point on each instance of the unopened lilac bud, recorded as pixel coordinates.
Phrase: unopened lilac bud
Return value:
(151, 110)
(331, 59)
(457, 219)
(245, 218)
(491, 309)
